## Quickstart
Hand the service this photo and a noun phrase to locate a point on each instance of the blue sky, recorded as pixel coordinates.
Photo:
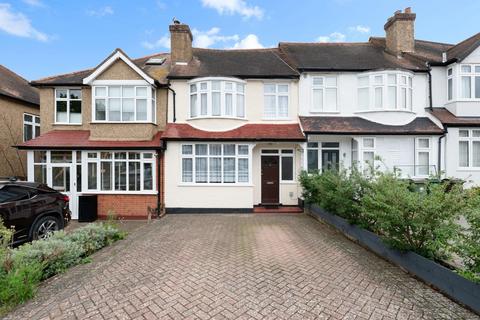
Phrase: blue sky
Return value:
(40, 38)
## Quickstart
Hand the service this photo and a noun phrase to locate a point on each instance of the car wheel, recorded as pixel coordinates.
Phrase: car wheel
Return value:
(44, 227)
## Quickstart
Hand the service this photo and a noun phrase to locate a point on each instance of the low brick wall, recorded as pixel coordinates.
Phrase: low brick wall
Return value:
(126, 206)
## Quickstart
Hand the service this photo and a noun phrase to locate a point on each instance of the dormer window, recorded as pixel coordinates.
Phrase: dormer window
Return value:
(217, 97)
(384, 91)
(469, 81)
(123, 103)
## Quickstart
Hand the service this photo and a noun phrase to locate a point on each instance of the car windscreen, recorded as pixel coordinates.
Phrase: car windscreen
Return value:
(13, 193)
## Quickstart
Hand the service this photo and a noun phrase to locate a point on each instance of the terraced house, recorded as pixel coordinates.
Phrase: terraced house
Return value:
(206, 130)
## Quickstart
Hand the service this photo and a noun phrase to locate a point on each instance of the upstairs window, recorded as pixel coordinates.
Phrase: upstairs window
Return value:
(385, 91)
(31, 126)
(469, 81)
(324, 94)
(450, 84)
(124, 103)
(217, 98)
(68, 106)
(276, 96)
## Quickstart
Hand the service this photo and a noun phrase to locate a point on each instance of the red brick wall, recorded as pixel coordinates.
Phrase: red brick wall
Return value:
(125, 206)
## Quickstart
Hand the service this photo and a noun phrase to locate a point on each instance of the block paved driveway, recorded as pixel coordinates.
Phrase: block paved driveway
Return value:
(237, 267)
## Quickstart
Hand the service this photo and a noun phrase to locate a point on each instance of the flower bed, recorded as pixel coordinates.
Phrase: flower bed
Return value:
(23, 268)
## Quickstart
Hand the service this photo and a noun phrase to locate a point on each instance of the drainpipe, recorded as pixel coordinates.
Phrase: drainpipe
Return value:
(174, 104)
(429, 72)
(159, 185)
(440, 151)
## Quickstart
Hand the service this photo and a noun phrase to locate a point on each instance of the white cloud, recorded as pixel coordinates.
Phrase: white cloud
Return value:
(231, 7)
(333, 37)
(101, 12)
(206, 39)
(249, 42)
(17, 24)
(34, 3)
(163, 42)
(360, 28)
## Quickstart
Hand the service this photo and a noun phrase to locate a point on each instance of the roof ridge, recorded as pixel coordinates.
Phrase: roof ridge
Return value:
(324, 43)
(465, 40)
(232, 50)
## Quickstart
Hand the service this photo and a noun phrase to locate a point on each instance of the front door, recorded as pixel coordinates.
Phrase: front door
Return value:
(63, 181)
(270, 179)
(330, 160)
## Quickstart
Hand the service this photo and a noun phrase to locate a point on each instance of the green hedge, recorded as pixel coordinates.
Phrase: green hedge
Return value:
(423, 220)
(22, 269)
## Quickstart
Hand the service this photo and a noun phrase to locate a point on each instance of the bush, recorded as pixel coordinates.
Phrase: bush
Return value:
(423, 221)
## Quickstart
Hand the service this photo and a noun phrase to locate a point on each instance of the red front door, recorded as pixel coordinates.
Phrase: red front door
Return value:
(270, 179)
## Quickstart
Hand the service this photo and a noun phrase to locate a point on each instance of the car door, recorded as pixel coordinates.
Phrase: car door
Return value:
(15, 209)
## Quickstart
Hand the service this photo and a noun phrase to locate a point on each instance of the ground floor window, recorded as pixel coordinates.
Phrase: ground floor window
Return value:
(323, 155)
(215, 163)
(469, 148)
(422, 165)
(287, 167)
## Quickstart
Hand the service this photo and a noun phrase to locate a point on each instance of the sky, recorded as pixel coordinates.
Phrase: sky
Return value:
(40, 38)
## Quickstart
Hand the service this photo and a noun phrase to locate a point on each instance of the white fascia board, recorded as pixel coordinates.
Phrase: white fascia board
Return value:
(110, 61)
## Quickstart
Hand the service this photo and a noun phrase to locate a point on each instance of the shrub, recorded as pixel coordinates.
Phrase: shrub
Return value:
(95, 236)
(420, 220)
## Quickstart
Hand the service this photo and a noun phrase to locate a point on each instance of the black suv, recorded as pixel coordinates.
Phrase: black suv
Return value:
(34, 210)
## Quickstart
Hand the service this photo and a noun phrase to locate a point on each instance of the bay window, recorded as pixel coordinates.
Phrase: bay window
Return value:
(31, 126)
(215, 163)
(324, 94)
(469, 148)
(469, 81)
(276, 96)
(217, 98)
(385, 91)
(124, 103)
(68, 106)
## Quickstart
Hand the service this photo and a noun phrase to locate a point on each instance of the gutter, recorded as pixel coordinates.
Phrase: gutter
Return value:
(174, 102)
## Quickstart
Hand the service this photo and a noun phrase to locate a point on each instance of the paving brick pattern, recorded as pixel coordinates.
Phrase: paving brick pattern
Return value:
(237, 267)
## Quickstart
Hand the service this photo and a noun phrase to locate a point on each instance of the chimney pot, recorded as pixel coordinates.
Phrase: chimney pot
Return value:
(400, 32)
(408, 10)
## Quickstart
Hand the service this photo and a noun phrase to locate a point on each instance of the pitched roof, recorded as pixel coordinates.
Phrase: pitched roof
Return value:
(248, 63)
(357, 125)
(71, 139)
(16, 87)
(157, 72)
(247, 132)
(449, 119)
(461, 50)
(358, 56)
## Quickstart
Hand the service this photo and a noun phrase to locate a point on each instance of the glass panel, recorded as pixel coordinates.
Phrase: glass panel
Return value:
(39, 156)
(379, 97)
(240, 88)
(287, 168)
(423, 162)
(392, 97)
(476, 153)
(270, 106)
(61, 156)
(229, 149)
(424, 143)
(201, 149)
(330, 145)
(317, 99)
(312, 145)
(40, 173)
(62, 115)
(463, 154)
(141, 109)
(378, 79)
(403, 98)
(79, 178)
(229, 170)
(193, 88)
(201, 170)
(203, 104)
(106, 175)
(475, 133)
(392, 79)
(215, 149)
(148, 155)
(463, 133)
(363, 99)
(75, 111)
(477, 69)
(114, 91)
(368, 157)
(363, 81)
(37, 131)
(312, 160)
(120, 175)
(100, 109)
(228, 86)
(79, 156)
(100, 91)
(187, 149)
(215, 85)
(466, 69)
(317, 81)
(27, 117)
(134, 176)
(269, 88)
(242, 170)
(477, 87)
(403, 80)
(114, 109)
(187, 170)
(449, 72)
(61, 93)
(240, 106)
(37, 120)
(331, 81)
(450, 89)
(106, 155)
(466, 88)
(61, 179)
(148, 176)
(215, 170)
(283, 106)
(331, 99)
(283, 88)
(128, 110)
(203, 86)
(128, 92)
(228, 104)
(216, 104)
(243, 150)
(92, 175)
(368, 143)
(193, 105)
(133, 155)
(27, 132)
(75, 94)
(92, 155)
(120, 155)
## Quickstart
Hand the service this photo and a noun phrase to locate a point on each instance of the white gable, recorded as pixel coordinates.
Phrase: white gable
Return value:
(473, 57)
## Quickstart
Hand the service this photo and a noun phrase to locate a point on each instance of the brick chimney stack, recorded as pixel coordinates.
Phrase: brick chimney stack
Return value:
(400, 32)
(180, 43)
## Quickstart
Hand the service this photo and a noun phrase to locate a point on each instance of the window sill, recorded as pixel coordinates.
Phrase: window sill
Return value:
(66, 124)
(324, 112)
(385, 110)
(138, 193)
(468, 169)
(215, 185)
(288, 182)
(217, 117)
(276, 119)
(122, 122)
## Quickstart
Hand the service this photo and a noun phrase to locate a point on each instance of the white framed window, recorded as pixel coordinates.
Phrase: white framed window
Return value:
(450, 84)
(68, 106)
(390, 90)
(217, 97)
(215, 163)
(469, 148)
(276, 100)
(422, 159)
(324, 94)
(315, 155)
(287, 162)
(469, 82)
(368, 153)
(124, 103)
(31, 126)
(120, 171)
